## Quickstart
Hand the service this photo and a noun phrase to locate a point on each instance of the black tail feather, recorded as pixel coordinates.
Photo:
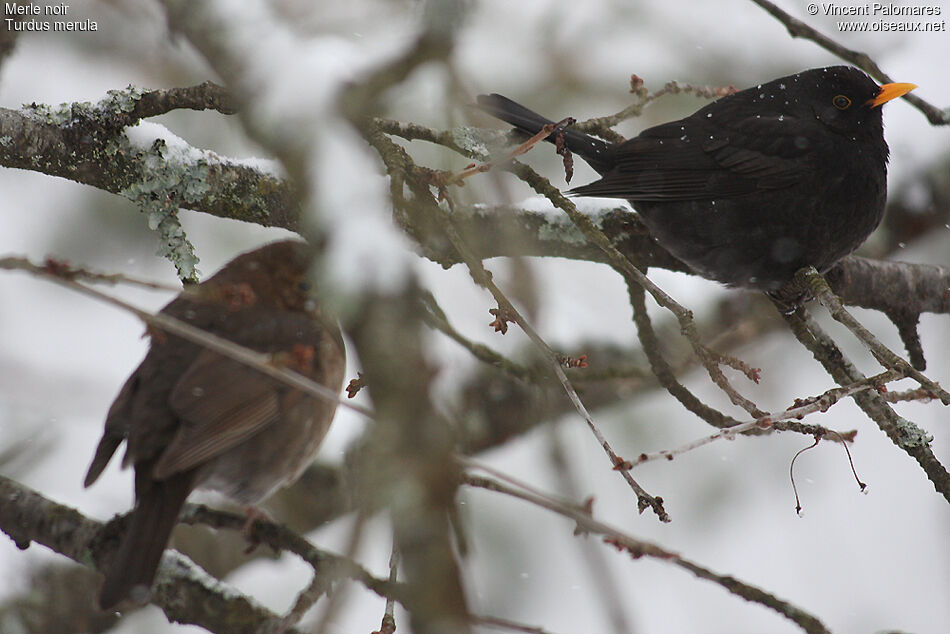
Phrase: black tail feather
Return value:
(594, 151)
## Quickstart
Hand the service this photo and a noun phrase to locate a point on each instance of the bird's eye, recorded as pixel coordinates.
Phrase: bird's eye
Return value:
(841, 102)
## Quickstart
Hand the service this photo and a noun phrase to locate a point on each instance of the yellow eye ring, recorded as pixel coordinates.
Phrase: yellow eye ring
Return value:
(841, 102)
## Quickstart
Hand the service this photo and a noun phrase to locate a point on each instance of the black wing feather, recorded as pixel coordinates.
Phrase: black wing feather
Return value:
(668, 163)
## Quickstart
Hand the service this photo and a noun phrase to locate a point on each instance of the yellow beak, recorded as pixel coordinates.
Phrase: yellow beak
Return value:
(890, 91)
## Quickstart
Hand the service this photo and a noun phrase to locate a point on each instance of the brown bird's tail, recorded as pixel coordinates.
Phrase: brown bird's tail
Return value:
(594, 151)
(133, 566)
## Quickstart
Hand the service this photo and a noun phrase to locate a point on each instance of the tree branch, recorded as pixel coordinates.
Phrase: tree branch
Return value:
(902, 432)
(638, 548)
(80, 143)
(797, 28)
(86, 144)
(183, 591)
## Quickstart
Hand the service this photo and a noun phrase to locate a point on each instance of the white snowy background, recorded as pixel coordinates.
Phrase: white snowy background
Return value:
(861, 563)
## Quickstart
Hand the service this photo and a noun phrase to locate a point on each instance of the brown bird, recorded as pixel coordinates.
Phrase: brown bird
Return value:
(192, 418)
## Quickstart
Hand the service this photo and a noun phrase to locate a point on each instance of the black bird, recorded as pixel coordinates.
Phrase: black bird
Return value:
(755, 185)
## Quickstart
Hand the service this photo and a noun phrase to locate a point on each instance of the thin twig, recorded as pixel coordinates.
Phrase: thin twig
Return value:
(617, 260)
(644, 498)
(602, 126)
(797, 28)
(388, 624)
(330, 567)
(885, 356)
(902, 432)
(445, 138)
(259, 361)
(819, 403)
(435, 318)
(636, 547)
(605, 584)
(305, 600)
(336, 601)
(185, 593)
(483, 278)
(65, 270)
(151, 103)
(661, 367)
(919, 394)
(398, 161)
(505, 624)
(791, 470)
(478, 168)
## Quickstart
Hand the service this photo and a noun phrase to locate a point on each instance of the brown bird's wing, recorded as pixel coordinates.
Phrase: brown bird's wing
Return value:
(689, 160)
(220, 403)
(116, 430)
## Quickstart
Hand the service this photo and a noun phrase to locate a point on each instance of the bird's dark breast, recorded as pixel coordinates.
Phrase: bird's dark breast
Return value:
(760, 239)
